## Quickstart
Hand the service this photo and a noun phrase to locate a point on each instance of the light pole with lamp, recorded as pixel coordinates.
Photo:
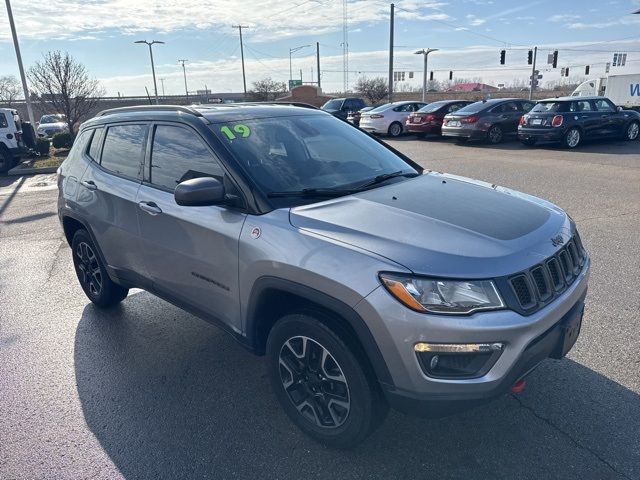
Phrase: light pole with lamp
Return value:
(426, 53)
(153, 68)
(292, 50)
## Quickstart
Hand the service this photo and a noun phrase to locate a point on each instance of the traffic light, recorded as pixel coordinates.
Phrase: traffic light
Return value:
(503, 54)
(431, 75)
(450, 74)
(566, 72)
(554, 64)
(530, 58)
(586, 70)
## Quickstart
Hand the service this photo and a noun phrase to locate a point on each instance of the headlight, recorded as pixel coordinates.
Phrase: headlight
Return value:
(443, 296)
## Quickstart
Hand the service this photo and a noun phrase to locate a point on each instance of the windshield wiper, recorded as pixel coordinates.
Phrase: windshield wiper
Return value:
(311, 192)
(384, 177)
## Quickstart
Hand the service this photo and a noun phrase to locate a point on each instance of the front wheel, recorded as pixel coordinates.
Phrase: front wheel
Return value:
(395, 129)
(6, 159)
(92, 275)
(632, 131)
(322, 386)
(572, 138)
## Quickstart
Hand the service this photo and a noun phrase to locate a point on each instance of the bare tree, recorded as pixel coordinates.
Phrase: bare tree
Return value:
(266, 89)
(64, 84)
(9, 89)
(373, 89)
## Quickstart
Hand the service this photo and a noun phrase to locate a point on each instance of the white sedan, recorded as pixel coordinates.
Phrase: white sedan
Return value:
(389, 118)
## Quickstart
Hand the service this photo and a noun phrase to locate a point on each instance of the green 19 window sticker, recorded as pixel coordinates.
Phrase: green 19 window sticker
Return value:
(240, 129)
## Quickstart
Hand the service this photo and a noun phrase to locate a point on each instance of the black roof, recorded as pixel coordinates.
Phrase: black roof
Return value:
(572, 98)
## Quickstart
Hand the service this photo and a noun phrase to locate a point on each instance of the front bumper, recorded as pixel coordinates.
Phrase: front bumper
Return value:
(527, 341)
(544, 134)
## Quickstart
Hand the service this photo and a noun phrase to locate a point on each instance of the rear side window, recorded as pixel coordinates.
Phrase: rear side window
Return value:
(581, 106)
(3, 121)
(123, 147)
(604, 106)
(178, 154)
(527, 106)
(96, 142)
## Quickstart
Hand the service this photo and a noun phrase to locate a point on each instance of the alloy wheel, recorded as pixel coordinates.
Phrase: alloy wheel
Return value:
(633, 131)
(314, 382)
(495, 134)
(395, 129)
(573, 138)
(88, 268)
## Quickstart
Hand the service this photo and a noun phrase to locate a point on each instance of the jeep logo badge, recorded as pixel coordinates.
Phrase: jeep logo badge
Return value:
(557, 240)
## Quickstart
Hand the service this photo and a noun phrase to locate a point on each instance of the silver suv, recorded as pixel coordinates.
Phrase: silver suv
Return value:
(365, 280)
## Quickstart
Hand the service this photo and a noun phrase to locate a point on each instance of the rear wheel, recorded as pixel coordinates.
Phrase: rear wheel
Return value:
(6, 159)
(92, 274)
(395, 129)
(320, 383)
(572, 138)
(495, 135)
(632, 131)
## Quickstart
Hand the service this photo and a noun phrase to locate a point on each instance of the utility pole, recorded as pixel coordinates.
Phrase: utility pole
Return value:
(391, 54)
(534, 77)
(345, 46)
(162, 83)
(25, 89)
(184, 73)
(318, 61)
(425, 52)
(153, 68)
(244, 78)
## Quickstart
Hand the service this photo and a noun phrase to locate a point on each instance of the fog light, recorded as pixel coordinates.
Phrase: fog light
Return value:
(457, 360)
(434, 362)
(458, 347)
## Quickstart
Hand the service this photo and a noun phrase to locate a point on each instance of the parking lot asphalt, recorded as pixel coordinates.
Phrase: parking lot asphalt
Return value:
(147, 391)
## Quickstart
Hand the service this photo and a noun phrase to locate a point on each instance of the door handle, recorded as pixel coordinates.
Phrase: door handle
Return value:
(150, 207)
(89, 185)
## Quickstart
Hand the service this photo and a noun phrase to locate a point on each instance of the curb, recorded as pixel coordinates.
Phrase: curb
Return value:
(28, 171)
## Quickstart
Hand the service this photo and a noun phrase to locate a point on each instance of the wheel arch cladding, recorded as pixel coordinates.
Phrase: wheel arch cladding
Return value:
(272, 298)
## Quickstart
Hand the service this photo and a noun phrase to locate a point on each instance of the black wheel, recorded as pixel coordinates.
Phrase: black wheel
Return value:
(395, 129)
(92, 275)
(322, 386)
(572, 138)
(529, 142)
(632, 131)
(494, 134)
(6, 159)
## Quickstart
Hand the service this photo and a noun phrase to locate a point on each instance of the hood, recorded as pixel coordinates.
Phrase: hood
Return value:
(442, 225)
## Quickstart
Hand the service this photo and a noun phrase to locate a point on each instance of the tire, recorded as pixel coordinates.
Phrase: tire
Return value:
(495, 134)
(336, 402)
(632, 131)
(529, 142)
(92, 275)
(572, 138)
(6, 159)
(395, 129)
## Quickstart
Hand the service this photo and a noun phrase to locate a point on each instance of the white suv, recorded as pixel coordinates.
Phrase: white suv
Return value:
(11, 144)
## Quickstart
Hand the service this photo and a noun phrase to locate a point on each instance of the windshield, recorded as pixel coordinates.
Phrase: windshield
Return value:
(550, 107)
(285, 154)
(334, 104)
(51, 119)
(473, 108)
(432, 107)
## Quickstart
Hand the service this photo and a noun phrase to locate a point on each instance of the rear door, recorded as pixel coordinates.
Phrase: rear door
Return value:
(587, 117)
(191, 253)
(107, 194)
(511, 113)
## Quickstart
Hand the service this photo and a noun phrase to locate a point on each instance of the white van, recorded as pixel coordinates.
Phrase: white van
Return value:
(11, 144)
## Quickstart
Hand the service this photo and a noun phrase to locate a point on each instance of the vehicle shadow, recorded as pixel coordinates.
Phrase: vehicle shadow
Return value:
(169, 396)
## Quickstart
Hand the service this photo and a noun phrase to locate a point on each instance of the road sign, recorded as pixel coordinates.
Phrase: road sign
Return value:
(294, 83)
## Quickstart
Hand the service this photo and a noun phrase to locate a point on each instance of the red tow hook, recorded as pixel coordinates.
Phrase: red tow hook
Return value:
(519, 386)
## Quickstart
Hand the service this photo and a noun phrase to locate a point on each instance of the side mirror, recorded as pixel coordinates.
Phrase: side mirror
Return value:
(619, 108)
(199, 192)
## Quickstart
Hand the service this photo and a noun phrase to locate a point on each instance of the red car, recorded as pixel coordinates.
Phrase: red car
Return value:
(429, 118)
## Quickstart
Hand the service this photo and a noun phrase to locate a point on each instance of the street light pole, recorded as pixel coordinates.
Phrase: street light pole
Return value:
(244, 78)
(184, 73)
(293, 50)
(25, 89)
(425, 53)
(153, 68)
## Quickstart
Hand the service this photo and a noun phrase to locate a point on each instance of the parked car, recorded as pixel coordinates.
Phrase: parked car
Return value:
(51, 124)
(365, 280)
(571, 120)
(389, 118)
(429, 118)
(354, 117)
(490, 120)
(340, 107)
(11, 143)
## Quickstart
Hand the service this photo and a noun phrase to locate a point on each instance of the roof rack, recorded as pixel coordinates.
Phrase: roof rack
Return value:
(292, 104)
(151, 108)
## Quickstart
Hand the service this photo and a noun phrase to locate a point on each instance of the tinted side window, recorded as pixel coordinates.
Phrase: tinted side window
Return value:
(511, 107)
(3, 121)
(526, 106)
(96, 143)
(454, 107)
(604, 106)
(581, 106)
(122, 151)
(498, 109)
(179, 154)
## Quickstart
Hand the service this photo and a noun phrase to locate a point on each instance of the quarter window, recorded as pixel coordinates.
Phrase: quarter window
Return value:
(123, 147)
(179, 154)
(94, 146)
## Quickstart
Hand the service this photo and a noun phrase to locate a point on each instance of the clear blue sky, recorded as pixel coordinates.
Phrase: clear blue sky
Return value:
(469, 34)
